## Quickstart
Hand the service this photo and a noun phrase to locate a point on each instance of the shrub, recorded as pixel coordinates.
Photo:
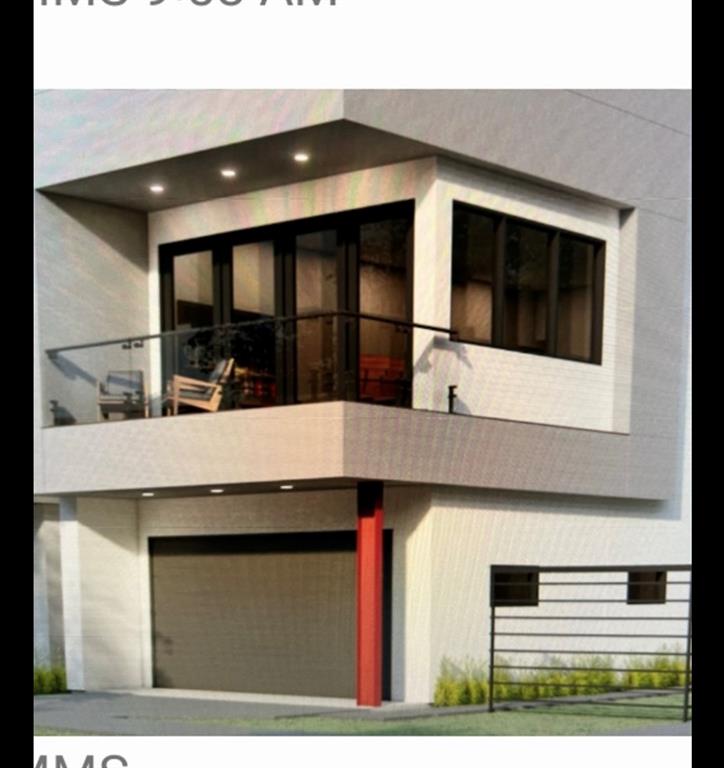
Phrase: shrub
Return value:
(475, 683)
(597, 678)
(49, 679)
(60, 682)
(448, 686)
(460, 684)
(503, 679)
(478, 690)
(662, 671)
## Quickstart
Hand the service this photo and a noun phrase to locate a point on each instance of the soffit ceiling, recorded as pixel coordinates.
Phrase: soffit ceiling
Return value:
(238, 489)
(337, 147)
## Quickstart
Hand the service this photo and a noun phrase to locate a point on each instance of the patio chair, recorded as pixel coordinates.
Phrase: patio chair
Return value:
(204, 394)
(124, 393)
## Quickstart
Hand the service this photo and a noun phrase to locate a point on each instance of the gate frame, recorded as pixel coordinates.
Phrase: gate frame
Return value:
(625, 569)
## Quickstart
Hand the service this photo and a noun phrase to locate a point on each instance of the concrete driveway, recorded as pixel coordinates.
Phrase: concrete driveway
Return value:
(194, 713)
(177, 713)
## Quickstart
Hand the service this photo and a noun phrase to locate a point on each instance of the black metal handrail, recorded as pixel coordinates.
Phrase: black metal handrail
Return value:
(278, 319)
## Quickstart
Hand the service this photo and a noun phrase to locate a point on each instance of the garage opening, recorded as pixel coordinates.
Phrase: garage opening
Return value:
(266, 613)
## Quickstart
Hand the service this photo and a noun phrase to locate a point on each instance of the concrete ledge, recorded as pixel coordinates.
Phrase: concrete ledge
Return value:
(352, 440)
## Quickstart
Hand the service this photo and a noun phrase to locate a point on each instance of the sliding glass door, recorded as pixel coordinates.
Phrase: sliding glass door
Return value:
(252, 337)
(317, 291)
(385, 249)
(306, 310)
(195, 311)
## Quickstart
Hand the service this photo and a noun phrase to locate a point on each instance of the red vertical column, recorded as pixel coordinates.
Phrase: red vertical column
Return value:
(370, 513)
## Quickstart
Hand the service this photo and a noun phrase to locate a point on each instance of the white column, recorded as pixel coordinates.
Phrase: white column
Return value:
(41, 617)
(431, 301)
(418, 610)
(72, 595)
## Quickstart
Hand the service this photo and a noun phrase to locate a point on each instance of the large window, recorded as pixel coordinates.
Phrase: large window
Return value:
(522, 286)
(193, 290)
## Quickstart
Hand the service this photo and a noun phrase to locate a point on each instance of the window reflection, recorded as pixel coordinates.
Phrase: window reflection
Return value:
(526, 289)
(472, 276)
(193, 290)
(575, 298)
(384, 249)
(316, 291)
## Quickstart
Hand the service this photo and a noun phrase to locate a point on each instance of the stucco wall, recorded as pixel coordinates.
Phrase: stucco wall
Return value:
(109, 593)
(47, 591)
(625, 146)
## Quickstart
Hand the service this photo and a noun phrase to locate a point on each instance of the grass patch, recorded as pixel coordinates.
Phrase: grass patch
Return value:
(49, 679)
(556, 720)
(468, 683)
(43, 731)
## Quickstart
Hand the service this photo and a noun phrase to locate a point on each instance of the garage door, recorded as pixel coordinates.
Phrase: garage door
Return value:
(263, 613)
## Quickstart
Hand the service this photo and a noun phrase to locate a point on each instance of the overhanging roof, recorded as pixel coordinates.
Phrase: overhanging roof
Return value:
(334, 148)
(104, 145)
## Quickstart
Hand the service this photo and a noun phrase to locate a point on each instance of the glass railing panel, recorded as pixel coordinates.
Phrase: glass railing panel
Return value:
(315, 343)
(254, 349)
(254, 364)
(221, 368)
(90, 384)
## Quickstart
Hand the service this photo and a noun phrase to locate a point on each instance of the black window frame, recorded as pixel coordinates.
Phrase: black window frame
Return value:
(516, 580)
(283, 235)
(646, 587)
(554, 234)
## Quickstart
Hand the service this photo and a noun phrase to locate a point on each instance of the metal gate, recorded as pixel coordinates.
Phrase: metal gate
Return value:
(555, 619)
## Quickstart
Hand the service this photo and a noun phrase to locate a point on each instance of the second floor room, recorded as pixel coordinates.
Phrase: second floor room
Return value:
(339, 265)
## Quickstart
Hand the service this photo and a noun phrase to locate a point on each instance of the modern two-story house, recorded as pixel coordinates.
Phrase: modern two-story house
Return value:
(308, 363)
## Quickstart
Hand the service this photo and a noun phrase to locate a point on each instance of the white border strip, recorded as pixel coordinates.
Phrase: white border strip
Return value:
(361, 751)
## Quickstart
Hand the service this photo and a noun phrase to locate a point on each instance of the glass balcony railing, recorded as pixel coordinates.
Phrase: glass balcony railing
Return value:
(254, 364)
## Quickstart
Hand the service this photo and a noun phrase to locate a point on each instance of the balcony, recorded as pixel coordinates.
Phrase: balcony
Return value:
(268, 362)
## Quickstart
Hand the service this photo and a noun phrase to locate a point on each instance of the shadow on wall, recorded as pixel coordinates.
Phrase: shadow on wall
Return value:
(62, 382)
(106, 223)
(425, 363)
(515, 502)
(61, 415)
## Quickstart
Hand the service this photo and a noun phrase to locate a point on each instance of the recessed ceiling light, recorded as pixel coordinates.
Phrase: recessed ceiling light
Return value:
(301, 157)
(157, 189)
(148, 494)
(216, 490)
(228, 173)
(286, 487)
